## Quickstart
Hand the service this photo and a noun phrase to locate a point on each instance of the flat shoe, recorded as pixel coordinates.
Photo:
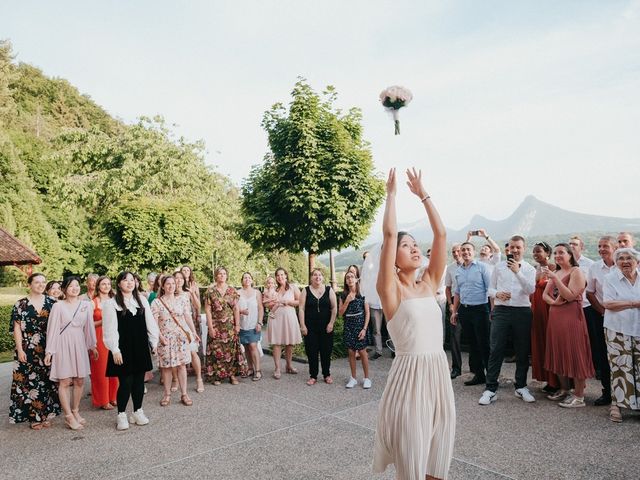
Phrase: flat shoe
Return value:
(107, 406)
(71, 422)
(614, 414)
(291, 370)
(328, 380)
(257, 376)
(312, 381)
(36, 426)
(234, 381)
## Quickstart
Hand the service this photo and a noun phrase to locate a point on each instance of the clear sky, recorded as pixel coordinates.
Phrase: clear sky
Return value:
(510, 98)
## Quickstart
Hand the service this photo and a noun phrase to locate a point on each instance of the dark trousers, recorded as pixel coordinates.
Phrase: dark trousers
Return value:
(455, 334)
(598, 343)
(517, 321)
(130, 386)
(475, 321)
(319, 343)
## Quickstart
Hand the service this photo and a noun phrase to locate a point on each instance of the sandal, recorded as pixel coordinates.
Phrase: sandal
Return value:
(36, 426)
(81, 421)
(276, 375)
(234, 381)
(186, 400)
(614, 414)
(216, 382)
(107, 406)
(46, 424)
(71, 422)
(257, 375)
(312, 381)
(328, 380)
(166, 400)
(199, 385)
(291, 370)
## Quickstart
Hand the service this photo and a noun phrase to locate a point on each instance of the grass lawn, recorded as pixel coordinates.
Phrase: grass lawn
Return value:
(10, 295)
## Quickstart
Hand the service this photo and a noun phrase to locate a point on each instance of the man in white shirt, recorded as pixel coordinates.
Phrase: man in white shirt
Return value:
(577, 247)
(512, 282)
(595, 314)
(489, 252)
(456, 330)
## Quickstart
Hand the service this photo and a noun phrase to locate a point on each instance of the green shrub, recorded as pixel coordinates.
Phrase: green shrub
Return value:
(6, 337)
(339, 349)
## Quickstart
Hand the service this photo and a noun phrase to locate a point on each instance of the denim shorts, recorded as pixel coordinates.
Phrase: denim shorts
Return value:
(249, 336)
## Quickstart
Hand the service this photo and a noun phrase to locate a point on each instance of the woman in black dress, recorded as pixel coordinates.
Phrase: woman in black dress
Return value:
(34, 397)
(356, 320)
(129, 331)
(317, 315)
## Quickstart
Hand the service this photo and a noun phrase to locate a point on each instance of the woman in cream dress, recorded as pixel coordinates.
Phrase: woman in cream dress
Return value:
(416, 416)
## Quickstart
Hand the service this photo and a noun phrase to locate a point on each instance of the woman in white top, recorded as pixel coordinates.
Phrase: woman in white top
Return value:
(416, 414)
(129, 331)
(621, 300)
(251, 319)
(182, 291)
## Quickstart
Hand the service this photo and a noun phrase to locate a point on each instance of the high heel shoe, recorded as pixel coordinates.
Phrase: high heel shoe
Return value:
(199, 386)
(81, 421)
(71, 422)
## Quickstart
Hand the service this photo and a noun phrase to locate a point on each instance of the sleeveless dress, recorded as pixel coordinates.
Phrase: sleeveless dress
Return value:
(568, 350)
(540, 320)
(284, 328)
(416, 416)
(103, 389)
(354, 323)
(248, 322)
(176, 352)
(133, 342)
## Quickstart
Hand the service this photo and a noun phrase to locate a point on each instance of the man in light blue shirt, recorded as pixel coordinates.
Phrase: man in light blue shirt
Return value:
(471, 308)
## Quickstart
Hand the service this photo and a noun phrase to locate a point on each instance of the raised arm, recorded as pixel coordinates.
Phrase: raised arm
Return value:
(386, 284)
(438, 261)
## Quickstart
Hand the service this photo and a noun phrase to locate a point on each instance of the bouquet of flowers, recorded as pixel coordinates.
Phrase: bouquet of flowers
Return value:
(393, 99)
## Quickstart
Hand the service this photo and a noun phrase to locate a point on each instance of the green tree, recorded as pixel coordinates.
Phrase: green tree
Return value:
(316, 189)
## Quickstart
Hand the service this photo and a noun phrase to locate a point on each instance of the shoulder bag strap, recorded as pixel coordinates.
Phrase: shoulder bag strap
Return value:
(74, 316)
(175, 320)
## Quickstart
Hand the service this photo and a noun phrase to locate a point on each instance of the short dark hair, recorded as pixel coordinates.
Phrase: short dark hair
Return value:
(67, 281)
(34, 275)
(545, 246)
(468, 243)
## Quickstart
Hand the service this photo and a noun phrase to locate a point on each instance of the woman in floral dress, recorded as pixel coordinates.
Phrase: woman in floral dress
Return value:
(34, 397)
(224, 359)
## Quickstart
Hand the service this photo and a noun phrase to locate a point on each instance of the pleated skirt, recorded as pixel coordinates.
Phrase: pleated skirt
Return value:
(568, 352)
(416, 418)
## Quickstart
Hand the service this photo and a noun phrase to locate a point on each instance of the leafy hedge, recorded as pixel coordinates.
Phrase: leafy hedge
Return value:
(6, 338)
(339, 349)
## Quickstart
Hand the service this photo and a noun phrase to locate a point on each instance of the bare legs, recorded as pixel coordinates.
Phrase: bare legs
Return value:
(197, 367)
(365, 362)
(70, 406)
(253, 357)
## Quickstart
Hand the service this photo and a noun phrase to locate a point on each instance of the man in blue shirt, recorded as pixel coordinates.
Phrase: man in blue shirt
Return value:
(471, 308)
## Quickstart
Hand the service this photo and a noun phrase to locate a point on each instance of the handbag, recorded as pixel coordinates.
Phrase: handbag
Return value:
(188, 334)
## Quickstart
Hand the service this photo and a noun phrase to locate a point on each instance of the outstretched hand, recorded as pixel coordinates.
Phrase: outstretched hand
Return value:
(415, 183)
(391, 182)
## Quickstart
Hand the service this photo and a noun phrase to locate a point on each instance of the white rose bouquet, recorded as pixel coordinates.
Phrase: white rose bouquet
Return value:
(393, 99)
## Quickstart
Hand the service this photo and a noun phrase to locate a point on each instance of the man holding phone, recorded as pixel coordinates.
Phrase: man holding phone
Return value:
(490, 252)
(512, 282)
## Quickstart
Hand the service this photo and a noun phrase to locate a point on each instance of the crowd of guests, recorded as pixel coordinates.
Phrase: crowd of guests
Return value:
(115, 331)
(568, 317)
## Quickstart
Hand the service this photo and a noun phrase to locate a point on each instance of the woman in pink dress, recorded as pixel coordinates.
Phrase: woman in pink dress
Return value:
(568, 353)
(540, 310)
(283, 327)
(70, 335)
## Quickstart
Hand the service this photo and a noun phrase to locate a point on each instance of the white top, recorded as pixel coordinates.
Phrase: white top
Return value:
(520, 285)
(248, 322)
(618, 287)
(595, 278)
(416, 327)
(493, 260)
(585, 265)
(110, 334)
(449, 276)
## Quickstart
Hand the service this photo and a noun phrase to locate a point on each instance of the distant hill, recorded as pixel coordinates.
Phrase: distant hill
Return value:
(534, 219)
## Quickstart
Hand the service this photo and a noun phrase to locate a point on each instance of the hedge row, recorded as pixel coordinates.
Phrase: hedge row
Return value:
(6, 337)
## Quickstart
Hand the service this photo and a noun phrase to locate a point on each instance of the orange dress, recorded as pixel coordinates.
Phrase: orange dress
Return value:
(103, 388)
(540, 320)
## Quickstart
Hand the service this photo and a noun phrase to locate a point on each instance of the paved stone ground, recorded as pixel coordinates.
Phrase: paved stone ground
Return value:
(287, 430)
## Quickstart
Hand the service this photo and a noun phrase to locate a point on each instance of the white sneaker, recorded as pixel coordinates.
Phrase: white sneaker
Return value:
(139, 418)
(366, 383)
(123, 423)
(525, 395)
(351, 383)
(487, 397)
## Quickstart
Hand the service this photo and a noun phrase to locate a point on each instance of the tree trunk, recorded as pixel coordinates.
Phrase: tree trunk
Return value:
(312, 263)
(332, 270)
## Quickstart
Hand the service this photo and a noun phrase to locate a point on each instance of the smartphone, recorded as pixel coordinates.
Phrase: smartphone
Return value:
(475, 233)
(509, 257)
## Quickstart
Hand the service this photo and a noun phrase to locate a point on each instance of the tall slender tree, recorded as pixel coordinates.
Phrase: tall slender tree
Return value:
(316, 189)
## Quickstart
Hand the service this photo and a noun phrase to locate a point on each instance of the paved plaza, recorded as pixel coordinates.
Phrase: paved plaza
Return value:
(286, 430)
